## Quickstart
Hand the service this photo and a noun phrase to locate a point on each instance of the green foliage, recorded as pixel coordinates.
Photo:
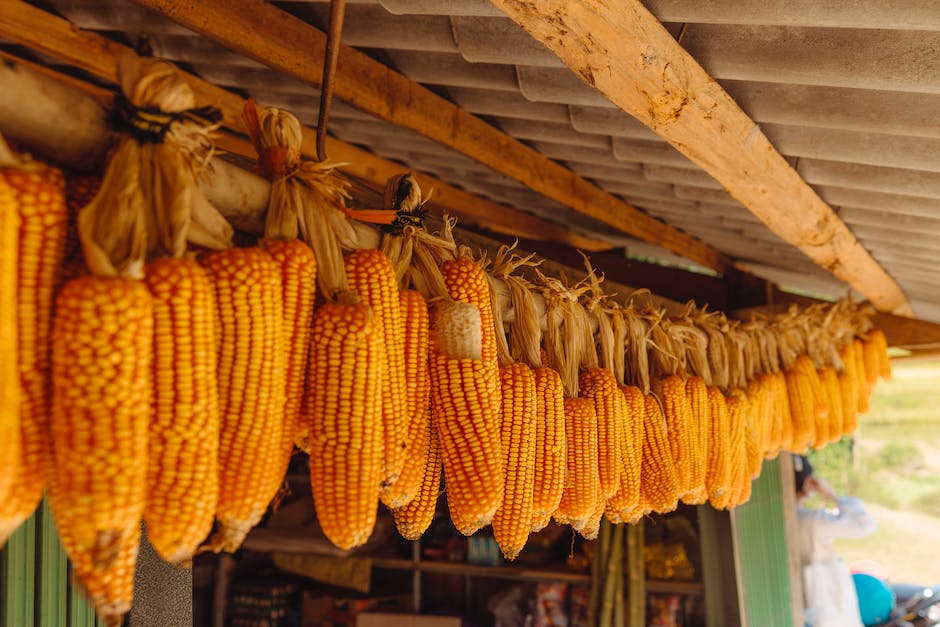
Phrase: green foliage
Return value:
(899, 457)
(928, 503)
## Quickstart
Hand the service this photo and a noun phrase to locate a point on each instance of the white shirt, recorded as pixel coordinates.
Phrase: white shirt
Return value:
(827, 583)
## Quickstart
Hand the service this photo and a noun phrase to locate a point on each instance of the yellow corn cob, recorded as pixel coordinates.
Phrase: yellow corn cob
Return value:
(820, 398)
(736, 403)
(718, 476)
(10, 452)
(623, 506)
(699, 419)
(473, 475)
(802, 405)
(101, 361)
(466, 282)
(758, 393)
(754, 456)
(247, 287)
(551, 450)
(599, 386)
(40, 200)
(414, 518)
(298, 269)
(773, 427)
(659, 481)
(414, 312)
(785, 411)
(861, 375)
(346, 442)
(582, 476)
(678, 412)
(848, 384)
(183, 454)
(593, 526)
(871, 359)
(513, 519)
(877, 336)
(372, 276)
(833, 425)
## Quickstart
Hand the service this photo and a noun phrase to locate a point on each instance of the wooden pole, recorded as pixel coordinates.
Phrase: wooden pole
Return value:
(623, 51)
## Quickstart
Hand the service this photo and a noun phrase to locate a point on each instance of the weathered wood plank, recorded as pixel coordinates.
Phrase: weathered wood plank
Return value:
(622, 50)
(97, 55)
(267, 34)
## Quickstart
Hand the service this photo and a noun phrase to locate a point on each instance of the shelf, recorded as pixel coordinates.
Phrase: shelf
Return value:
(525, 573)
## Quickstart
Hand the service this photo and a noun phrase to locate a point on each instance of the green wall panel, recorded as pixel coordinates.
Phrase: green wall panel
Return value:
(761, 541)
(35, 588)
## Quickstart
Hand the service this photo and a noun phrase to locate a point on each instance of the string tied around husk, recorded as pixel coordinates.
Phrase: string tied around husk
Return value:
(150, 203)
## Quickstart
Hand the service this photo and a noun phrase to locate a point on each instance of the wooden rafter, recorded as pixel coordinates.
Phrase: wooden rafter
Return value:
(98, 55)
(267, 34)
(621, 49)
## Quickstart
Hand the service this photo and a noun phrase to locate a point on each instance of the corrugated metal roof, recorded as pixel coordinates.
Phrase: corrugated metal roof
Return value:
(848, 91)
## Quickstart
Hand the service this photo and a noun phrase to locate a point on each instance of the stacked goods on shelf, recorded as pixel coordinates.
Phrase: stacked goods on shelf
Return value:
(192, 381)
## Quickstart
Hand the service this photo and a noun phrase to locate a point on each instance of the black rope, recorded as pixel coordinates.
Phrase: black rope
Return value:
(150, 124)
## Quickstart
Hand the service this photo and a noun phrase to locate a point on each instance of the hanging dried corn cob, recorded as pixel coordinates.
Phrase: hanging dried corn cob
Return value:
(183, 471)
(247, 286)
(718, 475)
(864, 387)
(598, 384)
(512, 521)
(582, 480)
(298, 268)
(36, 192)
(414, 313)
(413, 519)
(737, 452)
(463, 416)
(346, 439)
(848, 385)
(551, 446)
(101, 363)
(670, 390)
(659, 481)
(10, 435)
(624, 506)
(372, 277)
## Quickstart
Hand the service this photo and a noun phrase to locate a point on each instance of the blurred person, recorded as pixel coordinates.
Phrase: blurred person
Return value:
(828, 590)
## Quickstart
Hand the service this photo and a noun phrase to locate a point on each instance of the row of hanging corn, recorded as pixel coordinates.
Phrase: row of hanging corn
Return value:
(169, 376)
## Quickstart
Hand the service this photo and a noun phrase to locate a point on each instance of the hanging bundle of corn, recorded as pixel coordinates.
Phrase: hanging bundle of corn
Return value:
(875, 356)
(10, 456)
(797, 369)
(101, 361)
(566, 346)
(463, 414)
(247, 287)
(598, 384)
(687, 338)
(550, 446)
(849, 387)
(34, 227)
(346, 409)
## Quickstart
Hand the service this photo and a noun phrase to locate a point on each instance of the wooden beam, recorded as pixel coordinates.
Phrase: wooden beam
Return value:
(98, 55)
(621, 49)
(900, 331)
(267, 34)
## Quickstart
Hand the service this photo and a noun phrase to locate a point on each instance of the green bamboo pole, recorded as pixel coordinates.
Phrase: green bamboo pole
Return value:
(598, 566)
(637, 575)
(614, 563)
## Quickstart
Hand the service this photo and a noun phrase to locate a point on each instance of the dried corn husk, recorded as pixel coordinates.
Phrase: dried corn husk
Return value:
(150, 203)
